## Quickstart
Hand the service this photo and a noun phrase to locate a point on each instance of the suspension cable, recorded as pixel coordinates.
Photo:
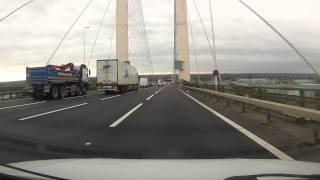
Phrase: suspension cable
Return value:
(112, 35)
(97, 35)
(213, 38)
(193, 46)
(70, 28)
(282, 37)
(204, 29)
(20, 7)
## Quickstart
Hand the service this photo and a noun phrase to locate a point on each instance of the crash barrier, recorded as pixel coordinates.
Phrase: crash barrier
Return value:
(303, 114)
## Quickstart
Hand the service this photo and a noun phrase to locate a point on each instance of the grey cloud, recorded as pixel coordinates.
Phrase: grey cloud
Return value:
(243, 42)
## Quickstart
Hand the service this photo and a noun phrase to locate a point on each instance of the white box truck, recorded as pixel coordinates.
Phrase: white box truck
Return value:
(116, 76)
(144, 82)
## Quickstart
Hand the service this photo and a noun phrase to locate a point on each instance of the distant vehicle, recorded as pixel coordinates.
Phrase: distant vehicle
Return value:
(144, 82)
(116, 76)
(58, 81)
(161, 82)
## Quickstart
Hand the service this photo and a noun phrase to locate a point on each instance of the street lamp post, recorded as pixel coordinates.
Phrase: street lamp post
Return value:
(84, 44)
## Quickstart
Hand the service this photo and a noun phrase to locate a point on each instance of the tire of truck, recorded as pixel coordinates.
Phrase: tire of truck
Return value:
(54, 92)
(78, 91)
(121, 89)
(84, 90)
(62, 92)
(35, 94)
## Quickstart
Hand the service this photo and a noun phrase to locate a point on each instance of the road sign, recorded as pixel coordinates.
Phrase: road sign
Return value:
(215, 72)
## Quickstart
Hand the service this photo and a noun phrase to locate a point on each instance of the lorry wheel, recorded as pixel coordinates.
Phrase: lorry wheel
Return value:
(78, 91)
(84, 90)
(62, 92)
(54, 92)
(35, 95)
(122, 89)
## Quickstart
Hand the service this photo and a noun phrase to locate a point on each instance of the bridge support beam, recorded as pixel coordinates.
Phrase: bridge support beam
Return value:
(182, 40)
(122, 30)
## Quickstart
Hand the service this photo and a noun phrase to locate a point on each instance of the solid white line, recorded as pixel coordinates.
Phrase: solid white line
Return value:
(281, 155)
(15, 100)
(150, 97)
(21, 105)
(109, 97)
(50, 112)
(116, 123)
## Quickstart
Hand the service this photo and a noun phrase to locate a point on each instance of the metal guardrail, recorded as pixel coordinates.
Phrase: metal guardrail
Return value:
(11, 94)
(262, 93)
(309, 117)
(306, 114)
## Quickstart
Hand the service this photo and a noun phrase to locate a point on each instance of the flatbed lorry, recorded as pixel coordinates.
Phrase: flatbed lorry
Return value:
(116, 76)
(54, 81)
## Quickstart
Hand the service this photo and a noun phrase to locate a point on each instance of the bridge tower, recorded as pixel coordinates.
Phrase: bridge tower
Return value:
(122, 30)
(181, 49)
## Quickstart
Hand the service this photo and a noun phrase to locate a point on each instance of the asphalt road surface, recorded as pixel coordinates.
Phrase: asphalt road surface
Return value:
(151, 123)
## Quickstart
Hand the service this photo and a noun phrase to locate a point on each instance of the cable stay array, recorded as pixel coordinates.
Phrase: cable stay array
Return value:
(139, 48)
(16, 10)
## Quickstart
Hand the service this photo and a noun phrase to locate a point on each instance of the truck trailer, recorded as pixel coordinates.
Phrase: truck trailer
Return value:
(116, 76)
(56, 81)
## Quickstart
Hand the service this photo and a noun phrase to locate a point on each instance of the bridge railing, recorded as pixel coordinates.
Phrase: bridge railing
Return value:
(308, 98)
(310, 116)
(5, 95)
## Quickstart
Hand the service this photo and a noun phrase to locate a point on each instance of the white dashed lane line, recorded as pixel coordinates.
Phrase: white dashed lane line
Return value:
(54, 111)
(21, 105)
(109, 97)
(150, 97)
(116, 123)
(15, 100)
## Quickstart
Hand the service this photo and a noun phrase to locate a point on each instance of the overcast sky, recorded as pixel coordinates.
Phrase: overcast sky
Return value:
(244, 44)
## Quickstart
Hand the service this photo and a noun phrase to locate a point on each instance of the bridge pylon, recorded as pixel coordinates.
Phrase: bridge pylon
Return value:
(122, 30)
(181, 54)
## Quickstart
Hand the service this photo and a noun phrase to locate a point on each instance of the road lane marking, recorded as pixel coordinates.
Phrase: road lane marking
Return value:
(21, 105)
(76, 97)
(15, 100)
(281, 155)
(109, 97)
(50, 112)
(158, 91)
(116, 123)
(130, 92)
(150, 97)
